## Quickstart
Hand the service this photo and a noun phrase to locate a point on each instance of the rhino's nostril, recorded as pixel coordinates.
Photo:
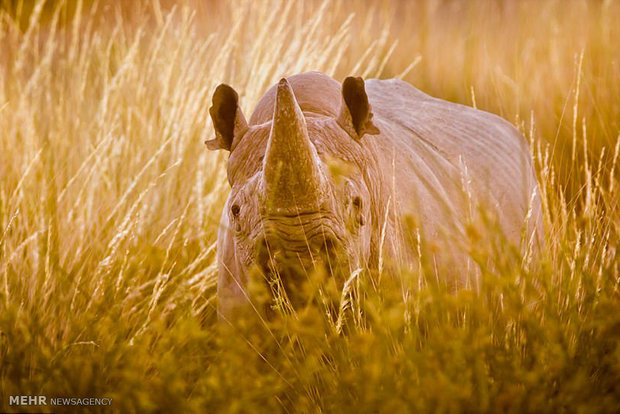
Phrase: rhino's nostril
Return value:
(329, 244)
(329, 247)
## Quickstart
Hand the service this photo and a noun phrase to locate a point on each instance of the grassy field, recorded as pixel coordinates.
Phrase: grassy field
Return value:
(109, 206)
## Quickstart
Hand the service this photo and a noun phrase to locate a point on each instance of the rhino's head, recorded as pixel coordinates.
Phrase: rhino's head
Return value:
(288, 214)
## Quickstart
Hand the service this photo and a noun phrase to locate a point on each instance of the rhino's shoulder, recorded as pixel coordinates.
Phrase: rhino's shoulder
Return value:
(315, 92)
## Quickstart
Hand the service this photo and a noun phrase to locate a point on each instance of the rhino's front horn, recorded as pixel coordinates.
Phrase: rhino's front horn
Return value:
(292, 175)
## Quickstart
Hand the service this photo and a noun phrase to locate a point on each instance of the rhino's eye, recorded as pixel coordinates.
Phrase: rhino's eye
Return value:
(235, 210)
(357, 202)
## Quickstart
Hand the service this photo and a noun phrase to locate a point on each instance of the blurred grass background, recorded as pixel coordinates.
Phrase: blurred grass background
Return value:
(109, 205)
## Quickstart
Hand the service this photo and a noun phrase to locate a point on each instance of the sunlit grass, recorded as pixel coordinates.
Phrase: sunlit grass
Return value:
(109, 206)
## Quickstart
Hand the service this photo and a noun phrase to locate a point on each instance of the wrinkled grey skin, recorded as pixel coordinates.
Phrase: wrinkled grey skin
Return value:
(402, 153)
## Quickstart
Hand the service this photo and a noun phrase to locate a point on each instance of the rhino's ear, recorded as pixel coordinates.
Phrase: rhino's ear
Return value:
(355, 111)
(228, 120)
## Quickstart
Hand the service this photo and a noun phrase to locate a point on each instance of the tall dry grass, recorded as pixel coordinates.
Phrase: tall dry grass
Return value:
(109, 206)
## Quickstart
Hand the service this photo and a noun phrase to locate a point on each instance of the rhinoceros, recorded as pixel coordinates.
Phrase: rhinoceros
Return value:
(407, 167)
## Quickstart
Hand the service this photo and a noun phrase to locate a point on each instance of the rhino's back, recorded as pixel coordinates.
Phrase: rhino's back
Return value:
(447, 129)
(440, 150)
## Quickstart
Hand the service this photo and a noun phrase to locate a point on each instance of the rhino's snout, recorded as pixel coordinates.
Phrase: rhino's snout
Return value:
(287, 267)
(304, 255)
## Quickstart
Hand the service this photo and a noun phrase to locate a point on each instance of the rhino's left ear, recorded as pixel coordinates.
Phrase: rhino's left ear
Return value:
(228, 120)
(355, 111)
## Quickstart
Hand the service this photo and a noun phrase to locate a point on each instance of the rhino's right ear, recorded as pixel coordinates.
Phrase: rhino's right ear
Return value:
(355, 110)
(228, 120)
